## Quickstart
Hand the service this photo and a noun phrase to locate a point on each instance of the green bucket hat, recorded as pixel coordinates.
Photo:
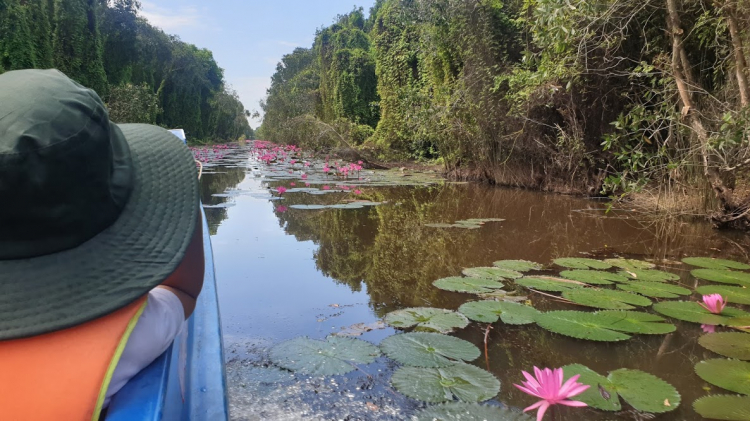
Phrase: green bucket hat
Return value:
(92, 214)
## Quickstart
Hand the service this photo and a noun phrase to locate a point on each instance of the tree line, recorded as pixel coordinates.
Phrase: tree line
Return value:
(611, 97)
(143, 74)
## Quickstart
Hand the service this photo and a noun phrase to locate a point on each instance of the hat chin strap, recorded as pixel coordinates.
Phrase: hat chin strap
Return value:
(200, 168)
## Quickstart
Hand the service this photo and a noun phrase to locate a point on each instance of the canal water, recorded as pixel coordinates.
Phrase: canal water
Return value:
(284, 273)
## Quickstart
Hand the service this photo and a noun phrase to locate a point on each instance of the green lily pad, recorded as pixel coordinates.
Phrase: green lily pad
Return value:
(470, 285)
(645, 392)
(593, 277)
(606, 299)
(630, 264)
(309, 207)
(581, 263)
(493, 273)
(463, 411)
(650, 275)
(723, 407)
(733, 294)
(725, 276)
(655, 289)
(491, 311)
(732, 375)
(636, 322)
(333, 356)
(499, 294)
(481, 220)
(739, 322)
(692, 312)
(459, 380)
(548, 283)
(518, 265)
(421, 349)
(581, 325)
(600, 395)
(427, 319)
(729, 344)
(712, 263)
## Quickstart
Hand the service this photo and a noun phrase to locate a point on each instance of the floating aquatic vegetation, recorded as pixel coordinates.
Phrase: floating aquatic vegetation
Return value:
(692, 312)
(630, 264)
(729, 344)
(501, 295)
(333, 356)
(713, 263)
(494, 273)
(605, 326)
(220, 205)
(606, 298)
(359, 204)
(422, 349)
(636, 322)
(593, 277)
(580, 325)
(466, 223)
(643, 391)
(492, 311)
(733, 294)
(724, 276)
(732, 375)
(518, 265)
(581, 263)
(649, 275)
(601, 395)
(427, 319)
(654, 289)
(309, 207)
(464, 411)
(549, 283)
(462, 381)
(468, 285)
(303, 190)
(723, 407)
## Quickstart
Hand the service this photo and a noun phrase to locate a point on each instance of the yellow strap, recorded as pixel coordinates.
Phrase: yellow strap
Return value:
(115, 360)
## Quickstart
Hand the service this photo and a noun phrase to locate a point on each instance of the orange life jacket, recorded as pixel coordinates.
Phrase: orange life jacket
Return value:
(64, 375)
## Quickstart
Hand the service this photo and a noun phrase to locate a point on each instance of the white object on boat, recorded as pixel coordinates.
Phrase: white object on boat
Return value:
(179, 133)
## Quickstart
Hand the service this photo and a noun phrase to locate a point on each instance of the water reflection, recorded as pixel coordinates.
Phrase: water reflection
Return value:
(386, 256)
(217, 183)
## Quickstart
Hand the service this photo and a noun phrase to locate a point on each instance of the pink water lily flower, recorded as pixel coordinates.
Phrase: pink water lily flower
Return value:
(357, 191)
(713, 303)
(708, 328)
(548, 385)
(281, 190)
(292, 184)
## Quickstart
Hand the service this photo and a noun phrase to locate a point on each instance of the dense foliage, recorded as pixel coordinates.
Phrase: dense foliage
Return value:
(606, 97)
(143, 74)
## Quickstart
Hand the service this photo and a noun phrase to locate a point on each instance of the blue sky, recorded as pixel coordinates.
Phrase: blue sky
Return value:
(248, 38)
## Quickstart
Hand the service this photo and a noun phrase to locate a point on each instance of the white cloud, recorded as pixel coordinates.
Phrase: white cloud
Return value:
(172, 20)
(251, 90)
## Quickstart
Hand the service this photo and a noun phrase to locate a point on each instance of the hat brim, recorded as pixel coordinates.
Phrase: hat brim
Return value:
(122, 263)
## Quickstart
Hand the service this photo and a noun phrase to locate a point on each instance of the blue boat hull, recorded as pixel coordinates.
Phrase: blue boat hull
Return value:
(188, 381)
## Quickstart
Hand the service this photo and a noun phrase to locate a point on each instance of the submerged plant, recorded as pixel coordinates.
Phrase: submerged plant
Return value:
(548, 385)
(713, 303)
